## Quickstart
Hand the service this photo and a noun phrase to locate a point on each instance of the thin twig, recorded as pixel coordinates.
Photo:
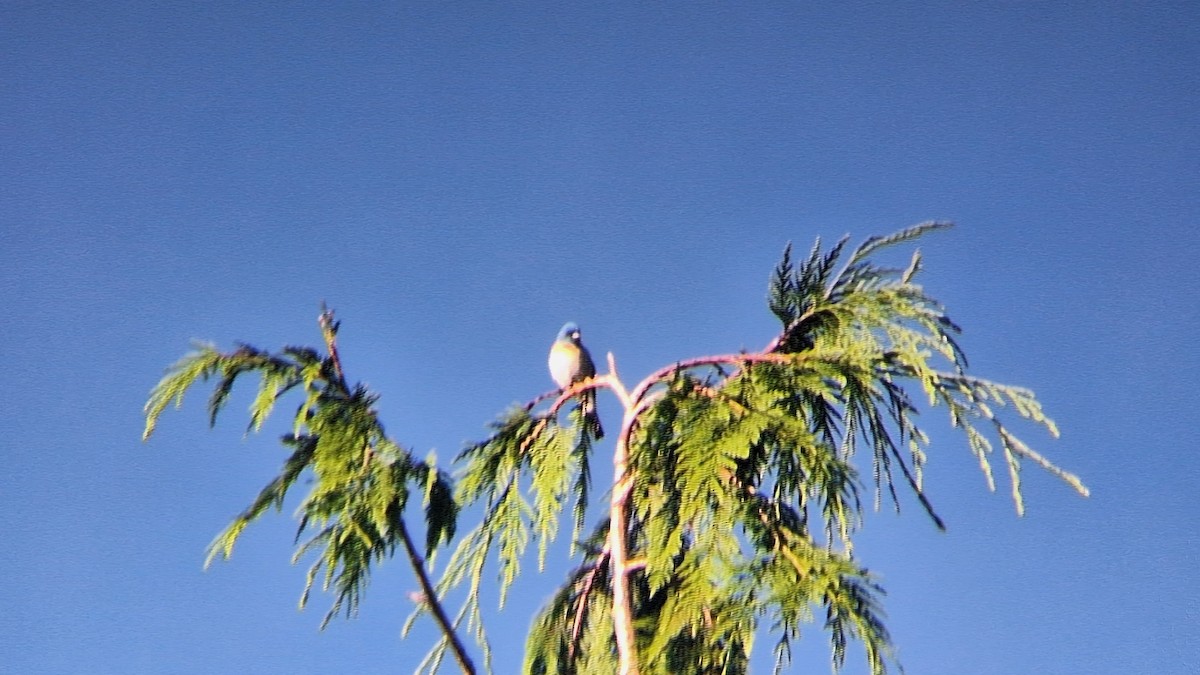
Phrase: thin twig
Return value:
(329, 329)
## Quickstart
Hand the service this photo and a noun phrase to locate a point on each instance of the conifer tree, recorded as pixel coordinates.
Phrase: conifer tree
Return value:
(737, 485)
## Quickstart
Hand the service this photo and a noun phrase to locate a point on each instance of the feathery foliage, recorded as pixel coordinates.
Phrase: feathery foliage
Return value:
(745, 497)
(737, 492)
(551, 459)
(361, 478)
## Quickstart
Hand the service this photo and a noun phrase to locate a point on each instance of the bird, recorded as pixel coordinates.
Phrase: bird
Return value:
(569, 363)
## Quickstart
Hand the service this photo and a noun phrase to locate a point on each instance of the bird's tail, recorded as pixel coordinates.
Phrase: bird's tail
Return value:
(591, 418)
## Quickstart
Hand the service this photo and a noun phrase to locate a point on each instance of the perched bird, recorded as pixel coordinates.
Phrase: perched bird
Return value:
(570, 362)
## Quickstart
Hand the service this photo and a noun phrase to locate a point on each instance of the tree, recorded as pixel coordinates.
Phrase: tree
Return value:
(735, 498)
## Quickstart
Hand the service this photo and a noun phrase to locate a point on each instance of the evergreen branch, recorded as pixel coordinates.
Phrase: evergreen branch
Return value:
(581, 602)
(783, 288)
(553, 393)
(797, 574)
(441, 511)
(560, 640)
(360, 486)
(764, 441)
(916, 488)
(520, 442)
(876, 243)
(200, 364)
(467, 563)
(976, 392)
(581, 487)
(272, 495)
(639, 393)
(1019, 448)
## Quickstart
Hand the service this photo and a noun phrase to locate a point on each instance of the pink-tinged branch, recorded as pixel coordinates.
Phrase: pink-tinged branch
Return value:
(687, 364)
(564, 395)
(640, 391)
(622, 598)
(622, 602)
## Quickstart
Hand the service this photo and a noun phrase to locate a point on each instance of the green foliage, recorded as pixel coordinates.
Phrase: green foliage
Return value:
(739, 478)
(745, 498)
(574, 631)
(361, 479)
(522, 446)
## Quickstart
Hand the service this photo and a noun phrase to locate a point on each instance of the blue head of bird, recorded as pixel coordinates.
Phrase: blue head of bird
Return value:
(569, 332)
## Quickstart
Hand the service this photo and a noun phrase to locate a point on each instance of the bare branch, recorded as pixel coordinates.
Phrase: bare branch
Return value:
(329, 329)
(622, 607)
(435, 606)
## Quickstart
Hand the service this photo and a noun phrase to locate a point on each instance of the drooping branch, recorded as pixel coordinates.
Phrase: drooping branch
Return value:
(329, 328)
(700, 438)
(638, 395)
(581, 602)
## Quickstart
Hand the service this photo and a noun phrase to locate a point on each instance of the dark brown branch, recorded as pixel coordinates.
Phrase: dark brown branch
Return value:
(542, 397)
(912, 483)
(429, 595)
(581, 603)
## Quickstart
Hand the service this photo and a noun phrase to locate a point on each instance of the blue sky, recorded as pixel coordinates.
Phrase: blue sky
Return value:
(458, 180)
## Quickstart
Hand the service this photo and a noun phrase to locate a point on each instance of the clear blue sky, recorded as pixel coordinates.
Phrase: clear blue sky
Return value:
(458, 179)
